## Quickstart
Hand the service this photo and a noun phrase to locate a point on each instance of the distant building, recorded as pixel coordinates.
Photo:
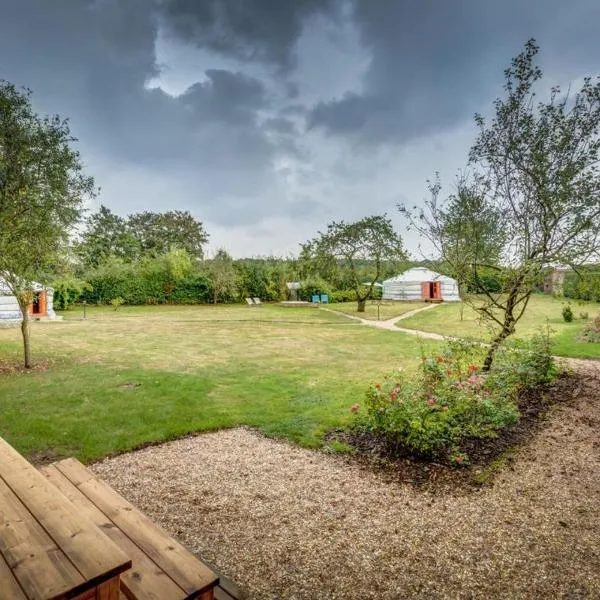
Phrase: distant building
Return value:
(421, 283)
(555, 279)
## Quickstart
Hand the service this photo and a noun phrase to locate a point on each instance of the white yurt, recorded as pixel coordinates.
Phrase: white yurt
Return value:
(40, 308)
(421, 284)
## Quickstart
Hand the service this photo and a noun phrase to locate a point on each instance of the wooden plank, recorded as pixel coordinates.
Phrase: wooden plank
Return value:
(109, 590)
(227, 586)
(94, 555)
(221, 594)
(145, 579)
(9, 587)
(181, 565)
(41, 568)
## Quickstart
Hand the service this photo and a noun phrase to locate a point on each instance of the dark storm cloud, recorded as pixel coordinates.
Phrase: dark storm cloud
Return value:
(435, 62)
(261, 30)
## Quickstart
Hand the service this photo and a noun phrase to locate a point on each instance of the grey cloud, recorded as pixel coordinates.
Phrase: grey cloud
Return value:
(260, 30)
(434, 63)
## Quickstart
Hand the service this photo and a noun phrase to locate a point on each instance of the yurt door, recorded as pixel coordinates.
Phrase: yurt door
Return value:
(425, 290)
(436, 291)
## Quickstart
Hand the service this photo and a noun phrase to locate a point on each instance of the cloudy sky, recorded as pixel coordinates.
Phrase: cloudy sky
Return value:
(268, 118)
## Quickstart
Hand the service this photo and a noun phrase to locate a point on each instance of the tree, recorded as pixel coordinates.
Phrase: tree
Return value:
(351, 244)
(157, 233)
(222, 274)
(106, 235)
(534, 169)
(42, 189)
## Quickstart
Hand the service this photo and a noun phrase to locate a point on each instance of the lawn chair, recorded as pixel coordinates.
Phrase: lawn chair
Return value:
(249, 301)
(316, 299)
(257, 301)
(324, 299)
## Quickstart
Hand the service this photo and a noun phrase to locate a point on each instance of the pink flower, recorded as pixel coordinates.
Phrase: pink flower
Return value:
(431, 401)
(355, 408)
(393, 395)
(458, 459)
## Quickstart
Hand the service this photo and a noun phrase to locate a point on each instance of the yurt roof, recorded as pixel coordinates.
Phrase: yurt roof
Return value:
(417, 274)
(6, 291)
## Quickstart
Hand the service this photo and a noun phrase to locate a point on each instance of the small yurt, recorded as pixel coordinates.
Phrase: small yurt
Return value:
(421, 284)
(40, 308)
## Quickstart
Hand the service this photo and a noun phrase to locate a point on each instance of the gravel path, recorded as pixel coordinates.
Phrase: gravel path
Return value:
(286, 522)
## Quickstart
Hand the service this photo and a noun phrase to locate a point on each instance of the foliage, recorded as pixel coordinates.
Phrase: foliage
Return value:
(223, 276)
(534, 178)
(591, 333)
(42, 191)
(349, 244)
(315, 286)
(584, 315)
(106, 235)
(451, 400)
(343, 296)
(583, 284)
(117, 302)
(68, 291)
(567, 313)
(157, 233)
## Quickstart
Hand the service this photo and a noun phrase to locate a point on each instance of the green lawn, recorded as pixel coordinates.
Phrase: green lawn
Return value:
(121, 379)
(388, 309)
(542, 309)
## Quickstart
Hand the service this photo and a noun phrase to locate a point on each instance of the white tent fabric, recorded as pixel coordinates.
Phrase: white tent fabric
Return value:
(10, 313)
(407, 285)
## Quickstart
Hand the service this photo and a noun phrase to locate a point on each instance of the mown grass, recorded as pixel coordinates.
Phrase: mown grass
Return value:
(387, 309)
(121, 379)
(542, 310)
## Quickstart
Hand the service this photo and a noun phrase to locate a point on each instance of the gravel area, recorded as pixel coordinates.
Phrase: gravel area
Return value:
(285, 522)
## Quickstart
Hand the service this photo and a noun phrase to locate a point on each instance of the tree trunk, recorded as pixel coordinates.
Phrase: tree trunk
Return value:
(361, 306)
(215, 296)
(26, 341)
(508, 328)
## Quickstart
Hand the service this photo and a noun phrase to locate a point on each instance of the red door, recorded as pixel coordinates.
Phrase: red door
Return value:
(425, 290)
(436, 290)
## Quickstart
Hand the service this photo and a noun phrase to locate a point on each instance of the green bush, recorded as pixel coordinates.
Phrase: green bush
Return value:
(68, 291)
(314, 285)
(567, 313)
(450, 400)
(342, 296)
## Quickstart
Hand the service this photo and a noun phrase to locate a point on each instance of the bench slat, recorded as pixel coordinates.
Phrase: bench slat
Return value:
(181, 565)
(144, 579)
(9, 587)
(73, 534)
(36, 562)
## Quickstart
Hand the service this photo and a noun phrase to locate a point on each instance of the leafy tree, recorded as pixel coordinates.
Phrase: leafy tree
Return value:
(535, 170)
(370, 239)
(42, 189)
(157, 233)
(106, 235)
(222, 274)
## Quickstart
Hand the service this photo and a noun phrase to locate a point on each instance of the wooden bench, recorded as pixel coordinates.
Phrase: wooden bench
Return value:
(69, 535)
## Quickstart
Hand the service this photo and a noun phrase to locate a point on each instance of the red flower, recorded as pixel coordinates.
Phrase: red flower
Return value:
(393, 395)
(431, 401)
(439, 359)
(473, 369)
(355, 408)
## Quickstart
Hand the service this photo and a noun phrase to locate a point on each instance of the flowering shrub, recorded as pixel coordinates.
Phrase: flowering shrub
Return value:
(451, 400)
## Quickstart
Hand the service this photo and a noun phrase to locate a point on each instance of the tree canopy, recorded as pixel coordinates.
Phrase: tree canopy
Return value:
(350, 244)
(532, 197)
(42, 191)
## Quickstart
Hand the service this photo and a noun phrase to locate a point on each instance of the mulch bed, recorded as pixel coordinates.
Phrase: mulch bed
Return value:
(487, 456)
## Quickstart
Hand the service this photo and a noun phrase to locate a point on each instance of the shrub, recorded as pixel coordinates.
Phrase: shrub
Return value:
(343, 296)
(584, 316)
(567, 313)
(591, 333)
(450, 401)
(68, 291)
(116, 302)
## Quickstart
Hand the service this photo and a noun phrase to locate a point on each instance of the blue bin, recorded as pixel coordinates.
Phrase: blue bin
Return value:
(315, 298)
(324, 298)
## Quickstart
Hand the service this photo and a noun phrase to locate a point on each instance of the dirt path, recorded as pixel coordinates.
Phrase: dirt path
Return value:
(291, 523)
(390, 324)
